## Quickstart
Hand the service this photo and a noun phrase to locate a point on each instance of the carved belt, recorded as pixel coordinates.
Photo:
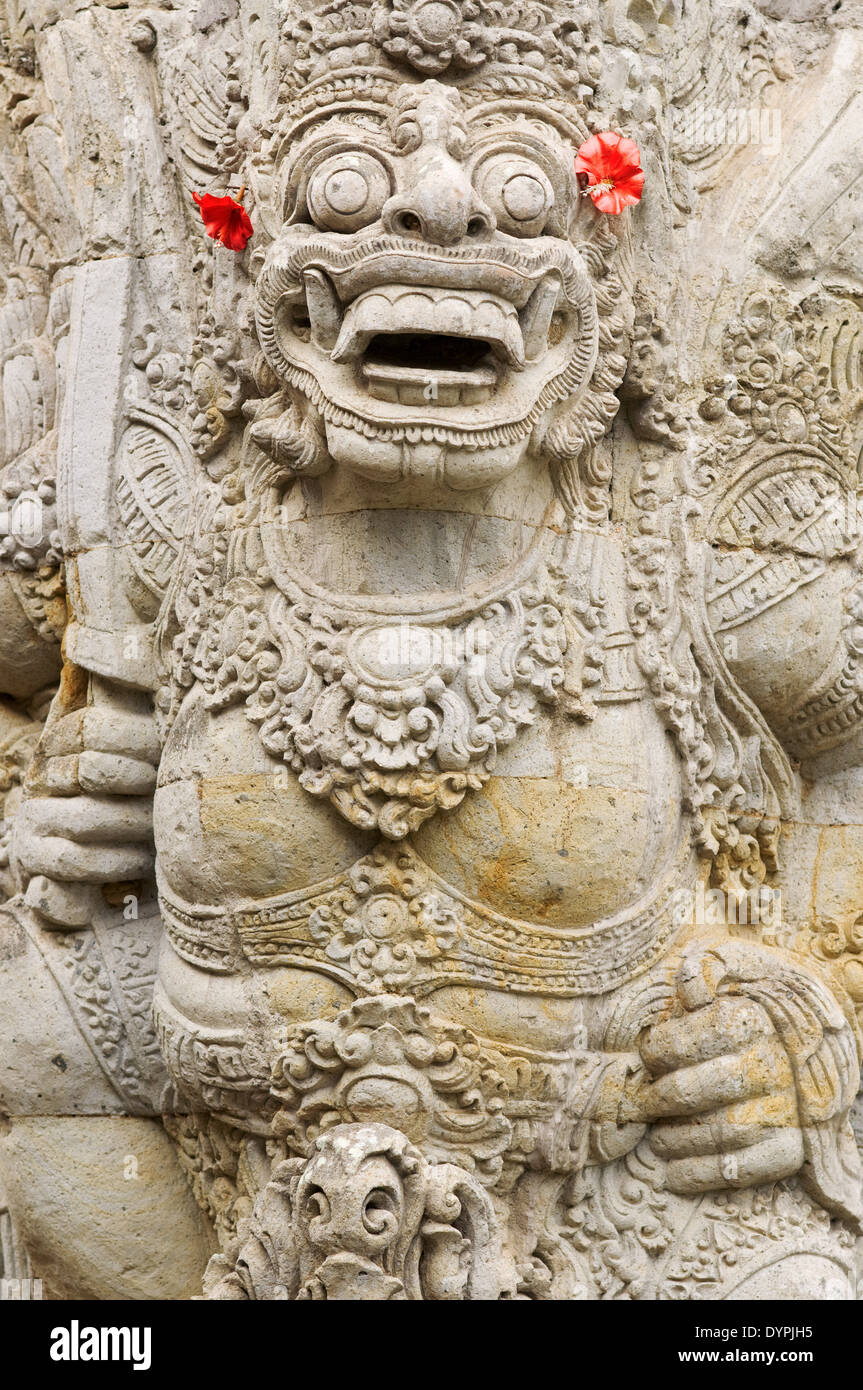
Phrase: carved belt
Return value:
(390, 924)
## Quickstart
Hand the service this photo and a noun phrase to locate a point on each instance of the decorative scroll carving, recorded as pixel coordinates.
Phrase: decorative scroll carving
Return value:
(366, 1218)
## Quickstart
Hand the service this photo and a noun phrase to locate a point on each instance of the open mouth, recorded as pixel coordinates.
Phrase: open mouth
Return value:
(433, 345)
(403, 351)
(418, 368)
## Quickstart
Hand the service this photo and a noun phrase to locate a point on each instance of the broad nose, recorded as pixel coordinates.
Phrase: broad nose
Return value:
(440, 206)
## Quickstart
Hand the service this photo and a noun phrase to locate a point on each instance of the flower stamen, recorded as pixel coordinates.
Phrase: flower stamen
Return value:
(610, 166)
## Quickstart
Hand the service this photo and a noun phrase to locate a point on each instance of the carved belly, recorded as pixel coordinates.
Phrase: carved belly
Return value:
(233, 824)
(572, 829)
(552, 884)
(561, 837)
(554, 881)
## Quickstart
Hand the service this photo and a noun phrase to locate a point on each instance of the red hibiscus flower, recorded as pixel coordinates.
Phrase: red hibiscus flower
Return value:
(226, 220)
(612, 165)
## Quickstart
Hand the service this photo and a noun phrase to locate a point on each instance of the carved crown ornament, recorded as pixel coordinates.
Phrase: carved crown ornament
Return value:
(518, 46)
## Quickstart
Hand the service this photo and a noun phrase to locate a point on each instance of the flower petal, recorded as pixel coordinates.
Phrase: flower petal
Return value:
(225, 220)
(609, 158)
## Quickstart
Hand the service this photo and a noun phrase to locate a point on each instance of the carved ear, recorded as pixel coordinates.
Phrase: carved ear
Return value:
(263, 1261)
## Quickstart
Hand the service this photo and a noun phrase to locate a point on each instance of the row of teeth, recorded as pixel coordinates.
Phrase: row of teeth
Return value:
(385, 385)
(468, 314)
(516, 337)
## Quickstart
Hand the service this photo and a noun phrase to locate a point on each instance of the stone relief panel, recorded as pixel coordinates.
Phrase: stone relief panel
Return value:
(430, 660)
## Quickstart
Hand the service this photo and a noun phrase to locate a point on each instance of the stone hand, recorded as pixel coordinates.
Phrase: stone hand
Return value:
(721, 1095)
(87, 820)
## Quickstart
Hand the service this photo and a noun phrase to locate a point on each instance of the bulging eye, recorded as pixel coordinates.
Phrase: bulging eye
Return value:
(518, 191)
(347, 191)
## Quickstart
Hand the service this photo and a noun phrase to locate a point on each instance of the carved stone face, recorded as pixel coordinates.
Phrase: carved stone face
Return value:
(425, 295)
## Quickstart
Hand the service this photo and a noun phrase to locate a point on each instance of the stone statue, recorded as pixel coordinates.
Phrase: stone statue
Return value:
(433, 676)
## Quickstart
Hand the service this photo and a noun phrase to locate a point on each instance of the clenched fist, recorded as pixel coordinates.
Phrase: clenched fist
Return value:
(721, 1094)
(87, 817)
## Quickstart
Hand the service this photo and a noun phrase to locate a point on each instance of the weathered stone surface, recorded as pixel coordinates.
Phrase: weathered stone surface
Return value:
(101, 1209)
(431, 700)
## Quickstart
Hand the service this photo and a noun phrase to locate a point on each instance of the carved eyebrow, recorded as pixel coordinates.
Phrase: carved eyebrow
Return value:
(338, 131)
(536, 121)
(536, 137)
(512, 135)
(551, 155)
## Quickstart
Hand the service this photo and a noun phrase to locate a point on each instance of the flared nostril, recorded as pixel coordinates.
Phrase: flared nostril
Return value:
(408, 224)
(439, 213)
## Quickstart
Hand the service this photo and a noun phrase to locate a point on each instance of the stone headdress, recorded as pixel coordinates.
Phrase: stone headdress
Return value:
(544, 52)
